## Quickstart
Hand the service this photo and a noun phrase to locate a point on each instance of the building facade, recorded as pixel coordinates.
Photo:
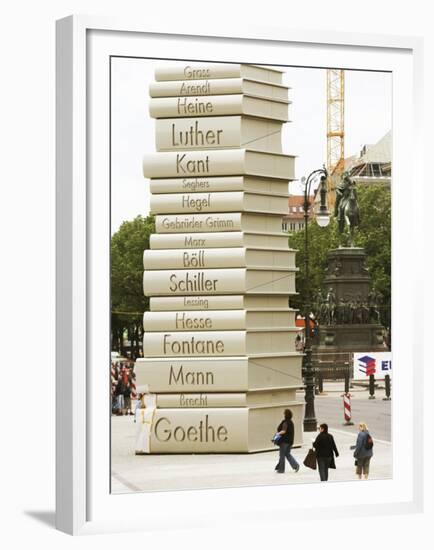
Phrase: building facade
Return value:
(294, 220)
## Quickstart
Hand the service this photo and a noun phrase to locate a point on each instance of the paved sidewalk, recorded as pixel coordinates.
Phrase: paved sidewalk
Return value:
(176, 472)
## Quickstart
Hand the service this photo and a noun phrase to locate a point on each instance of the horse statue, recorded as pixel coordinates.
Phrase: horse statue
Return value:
(346, 206)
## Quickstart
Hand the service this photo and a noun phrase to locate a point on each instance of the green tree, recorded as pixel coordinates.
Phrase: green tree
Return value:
(127, 299)
(373, 234)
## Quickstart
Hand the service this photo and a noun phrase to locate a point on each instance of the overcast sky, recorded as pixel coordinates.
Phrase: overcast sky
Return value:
(368, 105)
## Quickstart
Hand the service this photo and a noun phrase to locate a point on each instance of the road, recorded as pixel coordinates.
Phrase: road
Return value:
(376, 413)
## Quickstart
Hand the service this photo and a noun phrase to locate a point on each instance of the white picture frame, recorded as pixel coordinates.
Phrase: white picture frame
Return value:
(83, 504)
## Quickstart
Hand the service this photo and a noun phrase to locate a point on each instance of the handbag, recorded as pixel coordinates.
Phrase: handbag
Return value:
(276, 439)
(310, 460)
(332, 463)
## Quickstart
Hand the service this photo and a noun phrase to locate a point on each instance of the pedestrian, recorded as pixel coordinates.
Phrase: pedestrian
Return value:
(298, 343)
(286, 431)
(120, 388)
(145, 414)
(363, 451)
(127, 398)
(325, 446)
(139, 404)
(114, 382)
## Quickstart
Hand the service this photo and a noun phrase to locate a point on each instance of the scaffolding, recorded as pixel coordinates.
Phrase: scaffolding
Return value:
(335, 130)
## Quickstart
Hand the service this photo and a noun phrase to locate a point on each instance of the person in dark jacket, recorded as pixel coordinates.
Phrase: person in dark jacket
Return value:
(362, 454)
(286, 430)
(324, 446)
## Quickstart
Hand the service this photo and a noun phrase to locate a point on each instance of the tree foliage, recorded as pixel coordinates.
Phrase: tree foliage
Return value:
(373, 234)
(127, 299)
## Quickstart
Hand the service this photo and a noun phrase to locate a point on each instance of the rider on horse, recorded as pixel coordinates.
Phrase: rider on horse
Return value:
(346, 209)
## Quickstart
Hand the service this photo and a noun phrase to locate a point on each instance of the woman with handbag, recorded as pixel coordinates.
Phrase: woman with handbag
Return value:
(363, 451)
(325, 446)
(286, 431)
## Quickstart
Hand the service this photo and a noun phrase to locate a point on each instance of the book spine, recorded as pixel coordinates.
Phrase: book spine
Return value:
(217, 281)
(222, 86)
(198, 223)
(225, 162)
(199, 430)
(217, 258)
(199, 344)
(217, 202)
(217, 133)
(227, 183)
(197, 240)
(218, 343)
(230, 239)
(186, 320)
(195, 303)
(198, 72)
(215, 106)
(211, 430)
(200, 400)
(184, 88)
(218, 70)
(182, 282)
(216, 320)
(169, 107)
(223, 374)
(217, 400)
(197, 202)
(217, 222)
(191, 375)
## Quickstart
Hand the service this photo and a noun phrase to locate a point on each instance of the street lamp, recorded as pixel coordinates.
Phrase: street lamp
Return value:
(322, 218)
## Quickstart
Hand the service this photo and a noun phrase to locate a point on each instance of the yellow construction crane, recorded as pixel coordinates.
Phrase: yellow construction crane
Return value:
(335, 130)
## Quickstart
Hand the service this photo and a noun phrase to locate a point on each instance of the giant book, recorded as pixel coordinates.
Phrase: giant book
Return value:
(218, 430)
(230, 239)
(223, 162)
(218, 105)
(220, 183)
(198, 258)
(205, 71)
(218, 222)
(261, 302)
(217, 320)
(220, 132)
(220, 343)
(218, 86)
(170, 282)
(217, 400)
(218, 202)
(219, 374)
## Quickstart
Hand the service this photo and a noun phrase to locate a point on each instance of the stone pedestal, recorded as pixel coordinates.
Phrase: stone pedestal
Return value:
(347, 312)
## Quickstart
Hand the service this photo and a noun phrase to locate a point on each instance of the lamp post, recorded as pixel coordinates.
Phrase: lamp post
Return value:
(322, 218)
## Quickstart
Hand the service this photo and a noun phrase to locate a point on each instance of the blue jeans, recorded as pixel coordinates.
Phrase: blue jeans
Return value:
(121, 401)
(323, 467)
(285, 452)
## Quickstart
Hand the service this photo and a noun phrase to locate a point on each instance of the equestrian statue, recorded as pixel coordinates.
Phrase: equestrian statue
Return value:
(346, 206)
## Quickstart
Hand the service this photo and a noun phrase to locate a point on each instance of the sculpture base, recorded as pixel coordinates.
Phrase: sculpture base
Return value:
(338, 342)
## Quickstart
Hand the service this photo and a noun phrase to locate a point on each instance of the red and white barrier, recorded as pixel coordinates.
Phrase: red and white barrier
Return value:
(347, 409)
(133, 387)
(113, 379)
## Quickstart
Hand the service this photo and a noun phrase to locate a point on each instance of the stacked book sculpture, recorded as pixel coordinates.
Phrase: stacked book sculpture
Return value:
(220, 364)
